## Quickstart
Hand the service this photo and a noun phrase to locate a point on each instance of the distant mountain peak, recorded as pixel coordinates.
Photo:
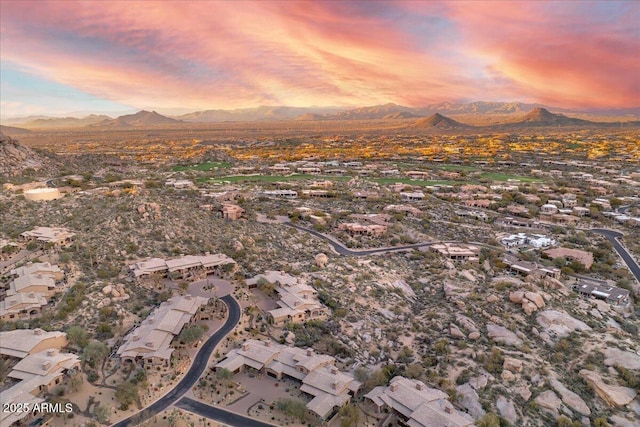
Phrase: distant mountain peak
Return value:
(139, 119)
(438, 121)
(541, 116)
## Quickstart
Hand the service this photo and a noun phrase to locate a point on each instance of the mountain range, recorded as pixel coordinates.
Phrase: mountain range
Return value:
(139, 119)
(500, 113)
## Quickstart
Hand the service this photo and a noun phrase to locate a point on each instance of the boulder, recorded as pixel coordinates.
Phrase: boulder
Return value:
(511, 364)
(535, 298)
(612, 395)
(455, 332)
(602, 306)
(479, 382)
(516, 296)
(492, 298)
(115, 293)
(626, 359)
(560, 322)
(524, 392)
(321, 260)
(507, 410)
(507, 376)
(474, 335)
(550, 401)
(571, 399)
(502, 335)
(529, 307)
(619, 421)
(468, 398)
(237, 246)
(107, 289)
(466, 323)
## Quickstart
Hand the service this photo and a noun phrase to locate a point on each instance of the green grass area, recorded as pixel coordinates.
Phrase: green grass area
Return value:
(201, 167)
(494, 176)
(408, 181)
(274, 178)
(465, 168)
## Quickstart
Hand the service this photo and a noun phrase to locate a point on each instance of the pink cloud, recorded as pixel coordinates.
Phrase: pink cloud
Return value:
(231, 54)
(565, 54)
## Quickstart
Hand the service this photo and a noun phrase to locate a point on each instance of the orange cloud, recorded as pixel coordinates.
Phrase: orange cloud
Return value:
(237, 54)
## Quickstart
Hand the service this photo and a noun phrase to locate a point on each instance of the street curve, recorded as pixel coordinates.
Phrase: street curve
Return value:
(218, 414)
(195, 371)
(343, 250)
(612, 236)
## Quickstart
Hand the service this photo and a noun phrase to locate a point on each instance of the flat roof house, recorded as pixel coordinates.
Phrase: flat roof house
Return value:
(611, 294)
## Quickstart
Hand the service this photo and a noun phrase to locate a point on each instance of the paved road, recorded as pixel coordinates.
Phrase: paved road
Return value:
(343, 250)
(613, 236)
(217, 414)
(195, 371)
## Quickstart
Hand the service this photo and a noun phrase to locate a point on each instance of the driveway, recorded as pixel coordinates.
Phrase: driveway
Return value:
(612, 236)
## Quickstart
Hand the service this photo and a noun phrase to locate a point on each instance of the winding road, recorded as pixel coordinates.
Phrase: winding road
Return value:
(195, 371)
(217, 414)
(343, 250)
(612, 236)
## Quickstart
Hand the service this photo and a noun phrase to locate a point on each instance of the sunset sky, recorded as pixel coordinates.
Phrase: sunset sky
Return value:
(60, 57)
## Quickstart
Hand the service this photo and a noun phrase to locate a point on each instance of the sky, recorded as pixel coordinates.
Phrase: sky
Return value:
(61, 57)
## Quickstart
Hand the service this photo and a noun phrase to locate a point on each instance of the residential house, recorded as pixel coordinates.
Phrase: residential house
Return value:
(297, 301)
(611, 294)
(19, 343)
(54, 236)
(150, 343)
(187, 266)
(232, 212)
(37, 374)
(583, 257)
(462, 252)
(416, 405)
(329, 388)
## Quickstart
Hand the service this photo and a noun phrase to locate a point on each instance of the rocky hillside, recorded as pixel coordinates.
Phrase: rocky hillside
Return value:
(16, 158)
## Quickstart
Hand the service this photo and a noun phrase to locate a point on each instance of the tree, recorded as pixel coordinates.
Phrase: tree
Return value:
(101, 414)
(191, 334)
(224, 374)
(77, 336)
(294, 408)
(183, 287)
(126, 394)
(94, 353)
(350, 416)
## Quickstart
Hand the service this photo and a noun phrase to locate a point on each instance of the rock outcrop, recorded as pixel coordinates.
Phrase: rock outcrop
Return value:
(612, 395)
(507, 410)
(502, 335)
(468, 398)
(321, 260)
(570, 399)
(549, 401)
(559, 323)
(626, 359)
